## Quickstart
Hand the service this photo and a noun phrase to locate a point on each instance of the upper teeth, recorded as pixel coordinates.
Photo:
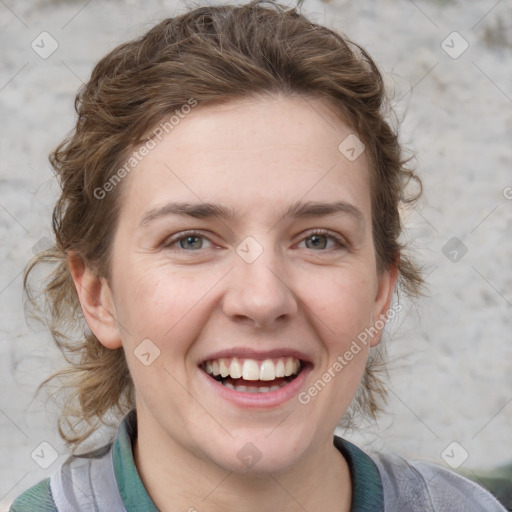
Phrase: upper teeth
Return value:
(251, 369)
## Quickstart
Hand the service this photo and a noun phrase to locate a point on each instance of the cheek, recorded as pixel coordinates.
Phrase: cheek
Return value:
(162, 305)
(342, 310)
(342, 302)
(162, 314)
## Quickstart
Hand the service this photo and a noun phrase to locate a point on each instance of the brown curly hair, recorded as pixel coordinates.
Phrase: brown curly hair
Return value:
(210, 54)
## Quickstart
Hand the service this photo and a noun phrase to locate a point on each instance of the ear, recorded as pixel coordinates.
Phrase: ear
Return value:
(96, 300)
(384, 294)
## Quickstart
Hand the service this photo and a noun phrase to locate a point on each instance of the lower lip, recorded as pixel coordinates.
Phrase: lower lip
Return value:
(259, 400)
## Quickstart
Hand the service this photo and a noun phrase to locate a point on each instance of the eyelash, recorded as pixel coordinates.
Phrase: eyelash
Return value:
(341, 243)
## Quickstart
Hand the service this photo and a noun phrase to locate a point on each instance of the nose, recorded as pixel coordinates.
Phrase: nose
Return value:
(259, 292)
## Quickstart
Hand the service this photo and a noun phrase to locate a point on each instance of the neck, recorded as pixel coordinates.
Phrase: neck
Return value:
(177, 480)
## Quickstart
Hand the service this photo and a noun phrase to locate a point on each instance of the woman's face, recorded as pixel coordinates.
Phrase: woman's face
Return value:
(244, 246)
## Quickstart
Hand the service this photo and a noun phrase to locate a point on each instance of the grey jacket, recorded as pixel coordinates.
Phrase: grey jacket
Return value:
(107, 480)
(407, 487)
(425, 487)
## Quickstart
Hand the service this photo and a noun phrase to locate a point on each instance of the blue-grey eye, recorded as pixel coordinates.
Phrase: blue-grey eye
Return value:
(190, 239)
(317, 241)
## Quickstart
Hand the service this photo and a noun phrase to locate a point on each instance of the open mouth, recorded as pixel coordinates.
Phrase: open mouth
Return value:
(254, 376)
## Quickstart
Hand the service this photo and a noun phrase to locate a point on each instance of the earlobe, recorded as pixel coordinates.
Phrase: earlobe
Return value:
(384, 295)
(95, 298)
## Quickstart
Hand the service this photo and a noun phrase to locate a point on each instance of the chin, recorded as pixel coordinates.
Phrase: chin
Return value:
(258, 454)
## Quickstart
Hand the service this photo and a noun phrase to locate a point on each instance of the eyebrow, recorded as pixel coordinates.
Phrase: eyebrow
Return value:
(294, 210)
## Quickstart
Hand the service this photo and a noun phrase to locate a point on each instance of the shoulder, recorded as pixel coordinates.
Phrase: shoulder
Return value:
(498, 481)
(38, 497)
(80, 482)
(420, 486)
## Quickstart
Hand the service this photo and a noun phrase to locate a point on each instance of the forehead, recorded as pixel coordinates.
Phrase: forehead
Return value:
(250, 153)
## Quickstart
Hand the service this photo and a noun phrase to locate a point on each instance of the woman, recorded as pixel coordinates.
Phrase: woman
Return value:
(228, 229)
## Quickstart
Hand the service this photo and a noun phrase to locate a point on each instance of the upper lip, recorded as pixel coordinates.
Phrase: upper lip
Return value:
(250, 353)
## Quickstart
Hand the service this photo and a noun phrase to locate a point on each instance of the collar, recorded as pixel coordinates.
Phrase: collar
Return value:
(133, 493)
(367, 492)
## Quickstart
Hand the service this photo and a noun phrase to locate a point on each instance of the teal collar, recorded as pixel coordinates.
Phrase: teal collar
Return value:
(367, 493)
(133, 493)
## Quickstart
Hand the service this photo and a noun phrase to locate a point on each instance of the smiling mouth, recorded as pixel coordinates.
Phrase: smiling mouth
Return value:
(254, 376)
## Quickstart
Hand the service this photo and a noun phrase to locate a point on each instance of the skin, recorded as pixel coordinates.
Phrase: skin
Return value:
(194, 298)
